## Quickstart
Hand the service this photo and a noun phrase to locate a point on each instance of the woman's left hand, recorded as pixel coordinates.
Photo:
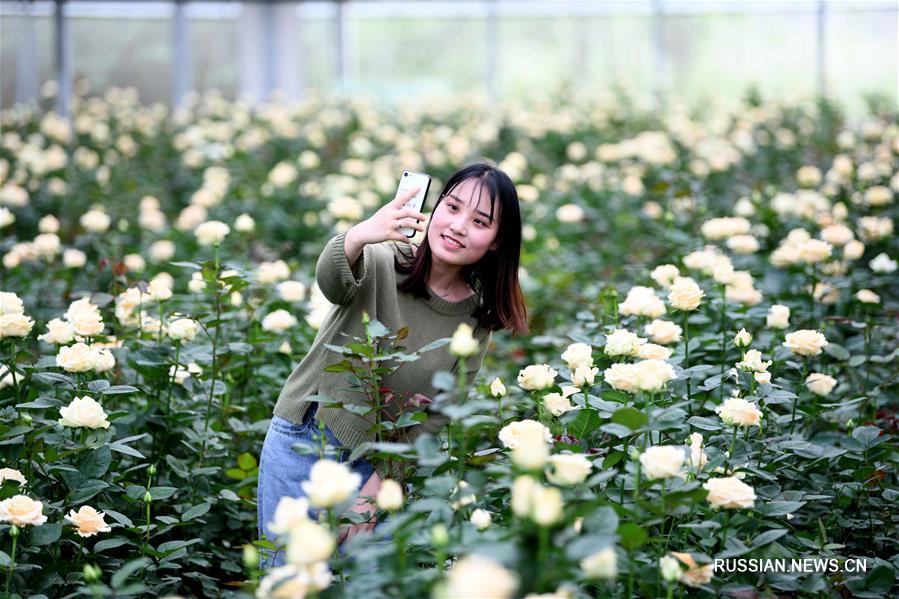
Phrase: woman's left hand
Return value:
(363, 505)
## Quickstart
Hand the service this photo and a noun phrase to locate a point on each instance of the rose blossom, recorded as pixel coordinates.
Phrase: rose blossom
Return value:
(88, 521)
(21, 510)
(536, 376)
(662, 461)
(805, 342)
(83, 411)
(736, 411)
(519, 431)
(730, 493)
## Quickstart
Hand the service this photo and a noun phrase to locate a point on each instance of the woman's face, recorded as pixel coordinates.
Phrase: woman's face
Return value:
(460, 231)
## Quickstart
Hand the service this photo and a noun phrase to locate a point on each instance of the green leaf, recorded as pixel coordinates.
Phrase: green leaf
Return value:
(110, 543)
(630, 417)
(98, 385)
(120, 390)
(433, 345)
(345, 366)
(375, 329)
(127, 570)
(196, 511)
(246, 461)
(632, 535)
(47, 533)
(5, 560)
(585, 423)
(612, 459)
(41, 402)
(235, 473)
(769, 536)
(837, 351)
(53, 378)
(866, 435)
(162, 492)
(96, 463)
(616, 396)
(127, 450)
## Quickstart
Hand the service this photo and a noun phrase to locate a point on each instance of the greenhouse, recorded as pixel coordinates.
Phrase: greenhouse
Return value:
(453, 299)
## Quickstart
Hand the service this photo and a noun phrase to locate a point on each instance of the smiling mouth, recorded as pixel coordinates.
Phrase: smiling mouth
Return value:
(453, 241)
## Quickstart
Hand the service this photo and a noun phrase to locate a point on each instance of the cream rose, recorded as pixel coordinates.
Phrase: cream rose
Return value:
(21, 510)
(866, 296)
(736, 411)
(536, 376)
(663, 332)
(497, 389)
(685, 294)
(752, 361)
(477, 576)
(88, 521)
(95, 221)
(602, 564)
(308, 543)
(815, 250)
(480, 518)
(665, 274)
(762, 377)
(83, 411)
(853, 250)
(698, 458)
(13, 475)
(76, 358)
(662, 461)
(729, 493)
(778, 316)
(530, 454)
(278, 321)
(584, 375)
(289, 513)
(10, 303)
(642, 301)
(805, 342)
(15, 325)
(651, 351)
(568, 469)
(463, 343)
(622, 342)
(820, 383)
(162, 250)
(330, 483)
(390, 495)
(291, 291)
(742, 338)
(244, 223)
(654, 374)
(272, 272)
(558, 403)
(521, 431)
(105, 359)
(183, 328)
(695, 574)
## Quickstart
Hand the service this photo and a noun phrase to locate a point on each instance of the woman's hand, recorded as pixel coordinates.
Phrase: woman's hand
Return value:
(383, 225)
(363, 505)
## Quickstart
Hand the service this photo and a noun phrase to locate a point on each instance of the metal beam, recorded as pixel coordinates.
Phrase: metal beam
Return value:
(182, 65)
(63, 60)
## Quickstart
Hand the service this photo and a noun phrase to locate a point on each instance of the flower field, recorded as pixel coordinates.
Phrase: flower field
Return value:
(710, 373)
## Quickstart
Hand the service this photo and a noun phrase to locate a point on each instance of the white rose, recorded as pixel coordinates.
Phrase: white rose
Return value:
(670, 568)
(463, 344)
(289, 513)
(642, 301)
(820, 383)
(622, 342)
(853, 250)
(291, 581)
(13, 475)
(805, 342)
(95, 221)
(815, 250)
(651, 351)
(663, 332)
(390, 495)
(879, 195)
(558, 403)
(477, 576)
(211, 232)
(731, 493)
(882, 264)
(837, 234)
(291, 291)
(536, 376)
(76, 358)
(134, 263)
(623, 377)
(866, 296)
(530, 454)
(577, 354)
(480, 518)
(778, 316)
(497, 389)
(46, 245)
(86, 323)
(308, 543)
(520, 431)
(752, 361)
(105, 360)
(162, 250)
(244, 223)
(83, 411)
(584, 375)
(15, 325)
(662, 461)
(665, 274)
(21, 510)
(602, 564)
(742, 338)
(278, 321)
(654, 374)
(736, 411)
(743, 244)
(685, 294)
(6, 217)
(330, 483)
(183, 328)
(272, 272)
(698, 458)
(159, 289)
(72, 258)
(546, 505)
(570, 213)
(568, 469)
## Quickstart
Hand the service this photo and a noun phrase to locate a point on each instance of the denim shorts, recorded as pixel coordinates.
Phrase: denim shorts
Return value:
(282, 470)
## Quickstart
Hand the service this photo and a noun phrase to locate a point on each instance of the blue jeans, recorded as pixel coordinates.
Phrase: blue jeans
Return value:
(281, 470)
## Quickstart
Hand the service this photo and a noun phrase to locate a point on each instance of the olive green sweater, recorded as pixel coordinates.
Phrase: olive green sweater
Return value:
(371, 285)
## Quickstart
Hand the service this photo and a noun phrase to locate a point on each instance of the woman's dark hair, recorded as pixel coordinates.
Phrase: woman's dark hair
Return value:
(494, 278)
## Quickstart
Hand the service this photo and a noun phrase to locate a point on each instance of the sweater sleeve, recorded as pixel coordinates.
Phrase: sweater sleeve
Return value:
(337, 281)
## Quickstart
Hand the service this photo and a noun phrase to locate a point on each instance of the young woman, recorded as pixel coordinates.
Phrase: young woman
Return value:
(464, 271)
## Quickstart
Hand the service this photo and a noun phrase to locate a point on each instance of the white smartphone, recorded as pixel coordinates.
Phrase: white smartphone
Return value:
(408, 181)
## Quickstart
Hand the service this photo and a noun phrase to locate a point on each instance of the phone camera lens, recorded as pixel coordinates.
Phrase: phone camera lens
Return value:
(405, 174)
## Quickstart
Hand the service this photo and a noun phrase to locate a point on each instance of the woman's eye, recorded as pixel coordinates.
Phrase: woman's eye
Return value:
(451, 206)
(479, 221)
